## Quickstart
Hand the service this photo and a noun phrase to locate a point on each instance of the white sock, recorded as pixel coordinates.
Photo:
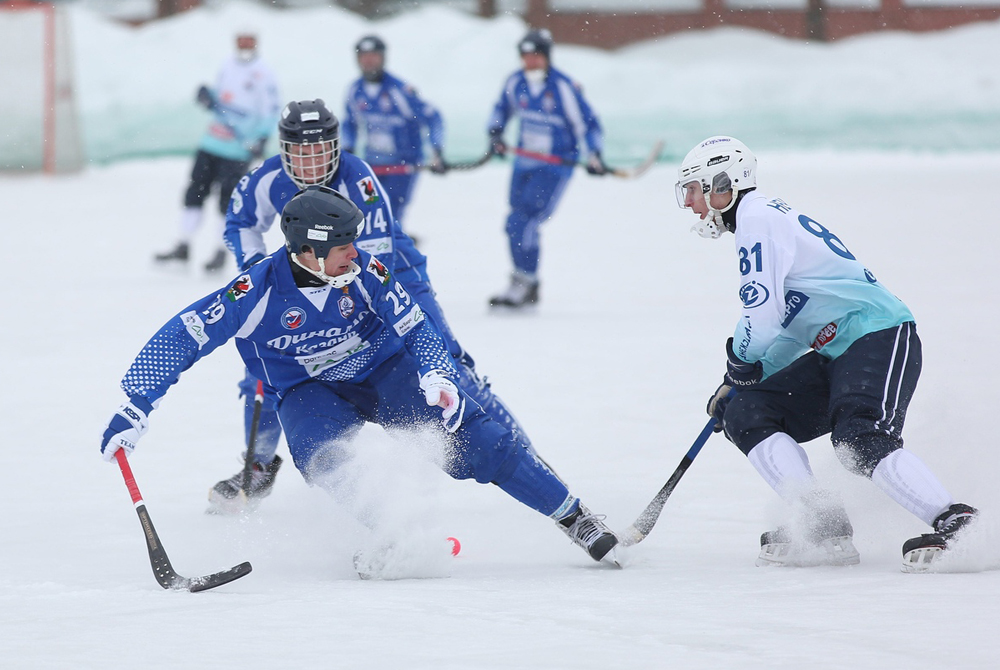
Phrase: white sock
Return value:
(190, 222)
(783, 464)
(904, 478)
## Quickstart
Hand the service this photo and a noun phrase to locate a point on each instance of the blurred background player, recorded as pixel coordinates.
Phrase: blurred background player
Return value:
(309, 141)
(394, 120)
(244, 105)
(557, 124)
(821, 348)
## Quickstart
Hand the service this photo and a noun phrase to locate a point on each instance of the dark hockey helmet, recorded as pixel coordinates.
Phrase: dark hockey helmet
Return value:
(370, 43)
(319, 219)
(309, 137)
(538, 41)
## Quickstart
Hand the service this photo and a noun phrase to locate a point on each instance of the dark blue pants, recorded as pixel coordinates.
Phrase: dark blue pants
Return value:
(399, 190)
(860, 398)
(534, 194)
(318, 417)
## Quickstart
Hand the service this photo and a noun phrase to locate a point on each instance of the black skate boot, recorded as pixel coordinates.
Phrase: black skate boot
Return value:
(588, 530)
(226, 497)
(218, 261)
(178, 253)
(826, 538)
(919, 553)
(522, 292)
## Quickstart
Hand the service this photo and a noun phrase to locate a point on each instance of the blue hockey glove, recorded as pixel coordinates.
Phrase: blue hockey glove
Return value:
(441, 391)
(438, 164)
(596, 166)
(204, 97)
(125, 427)
(740, 373)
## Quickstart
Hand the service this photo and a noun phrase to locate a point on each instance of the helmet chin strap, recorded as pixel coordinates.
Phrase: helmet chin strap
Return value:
(712, 226)
(340, 281)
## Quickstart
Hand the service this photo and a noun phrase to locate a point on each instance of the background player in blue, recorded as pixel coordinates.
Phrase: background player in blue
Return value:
(310, 155)
(339, 343)
(244, 105)
(821, 347)
(557, 124)
(394, 120)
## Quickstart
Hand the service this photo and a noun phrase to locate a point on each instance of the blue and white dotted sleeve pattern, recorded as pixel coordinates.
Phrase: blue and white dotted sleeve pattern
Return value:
(161, 361)
(427, 346)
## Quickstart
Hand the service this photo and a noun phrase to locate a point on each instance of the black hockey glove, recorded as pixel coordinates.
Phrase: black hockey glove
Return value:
(497, 146)
(718, 403)
(596, 165)
(739, 373)
(438, 165)
(204, 98)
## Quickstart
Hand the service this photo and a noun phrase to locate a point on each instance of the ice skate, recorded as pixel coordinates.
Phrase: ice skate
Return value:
(218, 261)
(522, 292)
(177, 254)
(589, 531)
(827, 540)
(226, 497)
(920, 553)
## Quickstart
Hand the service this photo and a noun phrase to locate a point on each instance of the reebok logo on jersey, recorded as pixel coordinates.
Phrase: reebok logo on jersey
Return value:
(368, 190)
(753, 294)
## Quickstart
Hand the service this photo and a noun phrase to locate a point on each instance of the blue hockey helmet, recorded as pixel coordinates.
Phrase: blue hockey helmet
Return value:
(309, 138)
(319, 219)
(370, 43)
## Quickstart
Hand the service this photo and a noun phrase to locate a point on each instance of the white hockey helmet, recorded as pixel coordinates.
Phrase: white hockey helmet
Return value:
(719, 164)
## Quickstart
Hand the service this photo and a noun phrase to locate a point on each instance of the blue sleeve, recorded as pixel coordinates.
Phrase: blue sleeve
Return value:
(595, 135)
(428, 116)
(198, 330)
(349, 126)
(501, 110)
(251, 211)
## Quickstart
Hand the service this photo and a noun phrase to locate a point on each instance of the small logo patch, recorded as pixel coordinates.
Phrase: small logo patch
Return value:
(345, 305)
(195, 328)
(380, 271)
(368, 191)
(240, 288)
(293, 318)
(870, 277)
(825, 336)
(753, 294)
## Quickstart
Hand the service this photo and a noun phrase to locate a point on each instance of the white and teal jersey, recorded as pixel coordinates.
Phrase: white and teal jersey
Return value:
(801, 287)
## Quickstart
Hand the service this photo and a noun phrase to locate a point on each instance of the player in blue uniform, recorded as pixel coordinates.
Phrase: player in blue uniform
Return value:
(310, 155)
(339, 343)
(394, 120)
(821, 347)
(244, 105)
(557, 127)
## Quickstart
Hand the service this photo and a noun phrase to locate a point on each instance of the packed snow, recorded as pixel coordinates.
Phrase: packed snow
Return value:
(610, 376)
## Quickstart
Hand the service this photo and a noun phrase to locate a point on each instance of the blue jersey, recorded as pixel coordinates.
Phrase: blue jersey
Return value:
(289, 335)
(802, 288)
(394, 119)
(263, 193)
(555, 118)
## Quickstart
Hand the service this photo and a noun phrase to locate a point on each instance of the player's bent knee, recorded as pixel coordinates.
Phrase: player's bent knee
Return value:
(747, 421)
(860, 454)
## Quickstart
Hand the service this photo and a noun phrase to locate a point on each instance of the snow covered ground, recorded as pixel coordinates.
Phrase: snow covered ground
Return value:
(610, 377)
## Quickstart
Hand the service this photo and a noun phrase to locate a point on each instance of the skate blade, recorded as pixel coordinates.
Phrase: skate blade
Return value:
(835, 551)
(921, 560)
(612, 559)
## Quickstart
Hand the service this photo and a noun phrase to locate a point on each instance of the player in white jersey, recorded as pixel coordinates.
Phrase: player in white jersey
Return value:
(244, 105)
(821, 347)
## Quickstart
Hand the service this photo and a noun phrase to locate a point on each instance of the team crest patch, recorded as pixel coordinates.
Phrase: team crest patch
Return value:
(293, 318)
(753, 294)
(346, 306)
(240, 288)
(380, 271)
(368, 190)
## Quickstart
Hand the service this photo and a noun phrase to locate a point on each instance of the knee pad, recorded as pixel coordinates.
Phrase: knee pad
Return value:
(860, 454)
(747, 422)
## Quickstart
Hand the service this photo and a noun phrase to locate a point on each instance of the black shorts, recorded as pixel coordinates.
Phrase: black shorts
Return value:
(208, 170)
(860, 398)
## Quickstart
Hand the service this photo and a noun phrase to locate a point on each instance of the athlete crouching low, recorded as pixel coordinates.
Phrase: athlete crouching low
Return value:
(378, 360)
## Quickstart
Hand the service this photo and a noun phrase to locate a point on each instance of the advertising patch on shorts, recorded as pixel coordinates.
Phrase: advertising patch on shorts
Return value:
(239, 288)
(380, 271)
(408, 322)
(195, 327)
(368, 191)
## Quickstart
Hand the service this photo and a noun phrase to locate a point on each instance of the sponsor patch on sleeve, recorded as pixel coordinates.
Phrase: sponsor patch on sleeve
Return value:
(195, 327)
(368, 191)
(408, 322)
(380, 271)
(240, 288)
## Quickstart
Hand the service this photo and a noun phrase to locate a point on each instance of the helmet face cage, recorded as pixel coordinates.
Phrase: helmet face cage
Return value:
(310, 163)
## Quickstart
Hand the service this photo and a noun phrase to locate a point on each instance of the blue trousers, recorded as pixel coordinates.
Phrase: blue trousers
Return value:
(399, 190)
(319, 416)
(860, 398)
(534, 194)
